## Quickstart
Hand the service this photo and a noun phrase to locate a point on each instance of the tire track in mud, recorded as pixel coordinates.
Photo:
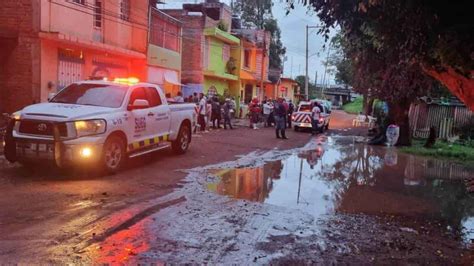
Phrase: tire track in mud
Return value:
(129, 223)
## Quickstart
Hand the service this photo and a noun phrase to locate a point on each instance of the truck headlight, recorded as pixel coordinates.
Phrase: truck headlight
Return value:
(89, 127)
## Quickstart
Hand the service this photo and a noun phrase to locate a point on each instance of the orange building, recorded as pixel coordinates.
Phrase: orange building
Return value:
(254, 62)
(65, 41)
(284, 88)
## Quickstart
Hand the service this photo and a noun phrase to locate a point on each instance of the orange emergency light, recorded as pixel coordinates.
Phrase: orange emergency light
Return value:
(127, 81)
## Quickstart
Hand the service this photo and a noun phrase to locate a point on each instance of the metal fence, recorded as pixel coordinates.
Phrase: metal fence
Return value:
(445, 118)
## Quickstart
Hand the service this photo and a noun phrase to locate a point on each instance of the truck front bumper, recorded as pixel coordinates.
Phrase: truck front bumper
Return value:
(63, 153)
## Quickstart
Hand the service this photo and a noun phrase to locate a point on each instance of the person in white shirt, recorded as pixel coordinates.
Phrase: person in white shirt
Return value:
(315, 114)
(202, 111)
(179, 98)
(267, 110)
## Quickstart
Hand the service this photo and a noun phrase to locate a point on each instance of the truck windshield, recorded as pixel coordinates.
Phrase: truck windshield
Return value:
(305, 108)
(92, 94)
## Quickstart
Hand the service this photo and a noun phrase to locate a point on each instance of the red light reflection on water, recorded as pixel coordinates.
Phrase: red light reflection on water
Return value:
(126, 245)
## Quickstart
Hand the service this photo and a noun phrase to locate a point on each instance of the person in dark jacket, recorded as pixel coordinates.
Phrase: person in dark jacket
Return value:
(216, 113)
(280, 119)
(226, 111)
(291, 109)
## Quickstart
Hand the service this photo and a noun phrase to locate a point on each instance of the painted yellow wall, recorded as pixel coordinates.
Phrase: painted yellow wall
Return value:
(158, 56)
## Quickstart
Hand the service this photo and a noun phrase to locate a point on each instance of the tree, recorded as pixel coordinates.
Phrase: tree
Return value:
(258, 14)
(277, 50)
(313, 91)
(372, 73)
(433, 37)
(254, 13)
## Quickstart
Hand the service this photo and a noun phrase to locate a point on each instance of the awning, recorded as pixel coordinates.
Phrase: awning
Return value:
(161, 76)
(172, 78)
(246, 75)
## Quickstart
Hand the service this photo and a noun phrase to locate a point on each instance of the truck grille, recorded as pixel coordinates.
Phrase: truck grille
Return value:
(41, 128)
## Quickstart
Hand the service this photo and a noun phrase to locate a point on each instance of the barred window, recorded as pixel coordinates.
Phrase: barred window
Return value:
(125, 10)
(82, 2)
(98, 14)
(164, 33)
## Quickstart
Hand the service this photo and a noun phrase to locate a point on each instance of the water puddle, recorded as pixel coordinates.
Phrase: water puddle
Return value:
(343, 175)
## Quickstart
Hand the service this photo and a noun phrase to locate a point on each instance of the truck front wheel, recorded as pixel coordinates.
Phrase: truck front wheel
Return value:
(181, 144)
(113, 155)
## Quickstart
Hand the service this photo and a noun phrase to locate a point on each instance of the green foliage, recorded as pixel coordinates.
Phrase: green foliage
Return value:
(277, 50)
(258, 14)
(354, 107)
(441, 149)
(437, 34)
(254, 13)
(313, 91)
(222, 25)
(467, 130)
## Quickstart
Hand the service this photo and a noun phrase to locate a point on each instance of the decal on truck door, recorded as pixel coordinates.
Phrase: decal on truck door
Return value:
(140, 124)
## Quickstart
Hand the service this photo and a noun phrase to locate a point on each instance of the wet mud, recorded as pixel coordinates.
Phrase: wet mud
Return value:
(336, 200)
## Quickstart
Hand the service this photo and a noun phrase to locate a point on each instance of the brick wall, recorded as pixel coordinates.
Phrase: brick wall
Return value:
(193, 44)
(20, 54)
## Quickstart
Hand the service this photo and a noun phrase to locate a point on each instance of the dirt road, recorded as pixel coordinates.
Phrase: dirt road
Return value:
(44, 207)
(243, 197)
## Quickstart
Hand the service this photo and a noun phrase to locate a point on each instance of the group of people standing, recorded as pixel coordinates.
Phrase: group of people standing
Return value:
(277, 112)
(213, 110)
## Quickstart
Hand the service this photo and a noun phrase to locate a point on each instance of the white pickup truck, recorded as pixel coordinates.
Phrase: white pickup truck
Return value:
(99, 122)
(301, 119)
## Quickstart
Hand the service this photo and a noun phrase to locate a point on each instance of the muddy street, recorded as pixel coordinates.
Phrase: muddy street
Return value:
(243, 197)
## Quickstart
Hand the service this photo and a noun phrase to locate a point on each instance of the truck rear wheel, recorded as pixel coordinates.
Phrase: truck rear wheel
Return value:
(113, 155)
(181, 144)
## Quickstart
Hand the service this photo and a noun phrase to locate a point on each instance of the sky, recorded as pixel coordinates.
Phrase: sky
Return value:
(293, 29)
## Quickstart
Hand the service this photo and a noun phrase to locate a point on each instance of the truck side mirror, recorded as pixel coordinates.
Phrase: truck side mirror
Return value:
(51, 96)
(138, 104)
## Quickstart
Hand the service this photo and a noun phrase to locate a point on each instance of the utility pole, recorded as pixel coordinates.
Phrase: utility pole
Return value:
(264, 53)
(316, 79)
(306, 78)
(325, 70)
(306, 75)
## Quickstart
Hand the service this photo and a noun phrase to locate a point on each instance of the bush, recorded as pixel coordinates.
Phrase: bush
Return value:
(467, 130)
(354, 107)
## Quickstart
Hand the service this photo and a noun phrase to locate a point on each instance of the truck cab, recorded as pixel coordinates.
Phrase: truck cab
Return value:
(99, 122)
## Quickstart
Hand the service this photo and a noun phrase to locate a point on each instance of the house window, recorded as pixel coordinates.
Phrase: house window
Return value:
(247, 58)
(82, 2)
(225, 52)
(205, 54)
(125, 10)
(98, 14)
(165, 33)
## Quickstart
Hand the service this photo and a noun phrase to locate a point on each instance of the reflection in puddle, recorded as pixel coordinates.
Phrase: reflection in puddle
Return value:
(341, 175)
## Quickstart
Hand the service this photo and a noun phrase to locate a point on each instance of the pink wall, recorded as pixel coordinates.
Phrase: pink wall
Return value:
(78, 21)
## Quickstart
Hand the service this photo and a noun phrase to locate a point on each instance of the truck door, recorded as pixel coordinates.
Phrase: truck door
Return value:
(140, 122)
(159, 112)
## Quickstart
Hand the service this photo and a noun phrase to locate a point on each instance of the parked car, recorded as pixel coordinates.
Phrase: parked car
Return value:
(301, 119)
(99, 122)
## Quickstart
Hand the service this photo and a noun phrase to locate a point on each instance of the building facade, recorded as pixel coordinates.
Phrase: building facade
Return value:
(164, 51)
(210, 53)
(254, 63)
(53, 43)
